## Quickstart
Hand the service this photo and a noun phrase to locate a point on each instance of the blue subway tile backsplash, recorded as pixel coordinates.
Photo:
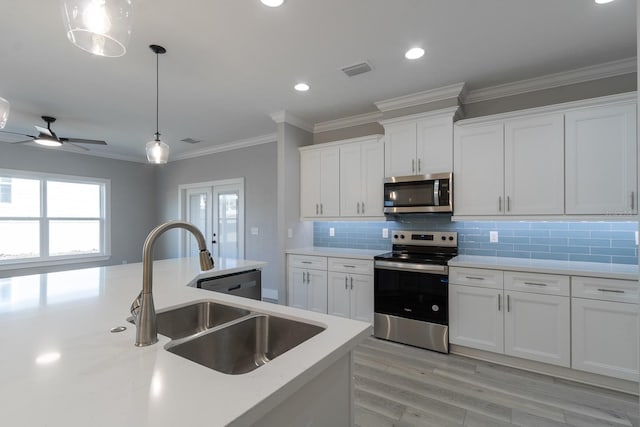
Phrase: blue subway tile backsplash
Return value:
(591, 241)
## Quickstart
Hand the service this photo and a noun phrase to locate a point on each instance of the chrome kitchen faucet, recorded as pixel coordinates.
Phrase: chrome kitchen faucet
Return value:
(142, 308)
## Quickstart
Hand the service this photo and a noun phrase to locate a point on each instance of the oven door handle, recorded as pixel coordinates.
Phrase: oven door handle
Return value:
(405, 266)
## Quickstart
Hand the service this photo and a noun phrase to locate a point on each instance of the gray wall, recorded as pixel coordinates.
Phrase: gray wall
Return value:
(132, 196)
(257, 165)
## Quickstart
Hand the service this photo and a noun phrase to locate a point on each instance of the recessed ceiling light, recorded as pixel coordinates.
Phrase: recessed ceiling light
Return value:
(414, 53)
(603, 1)
(301, 87)
(272, 3)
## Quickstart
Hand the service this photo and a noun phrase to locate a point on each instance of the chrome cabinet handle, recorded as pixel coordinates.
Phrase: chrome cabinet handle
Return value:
(499, 301)
(419, 166)
(317, 210)
(321, 213)
(633, 202)
(348, 266)
(413, 165)
(345, 281)
(535, 284)
(499, 203)
(308, 277)
(508, 203)
(351, 282)
(362, 208)
(508, 304)
(358, 208)
(474, 278)
(305, 262)
(613, 291)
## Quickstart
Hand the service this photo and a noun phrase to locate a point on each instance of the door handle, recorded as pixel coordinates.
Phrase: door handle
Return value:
(351, 282)
(499, 203)
(362, 208)
(358, 208)
(499, 302)
(633, 202)
(419, 166)
(233, 288)
(317, 210)
(321, 213)
(413, 165)
(508, 304)
(508, 204)
(345, 282)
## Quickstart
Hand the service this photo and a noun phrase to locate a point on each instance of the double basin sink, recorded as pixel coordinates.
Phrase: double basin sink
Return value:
(230, 339)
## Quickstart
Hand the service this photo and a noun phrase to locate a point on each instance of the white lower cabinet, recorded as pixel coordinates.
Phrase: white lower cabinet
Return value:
(351, 296)
(604, 321)
(308, 289)
(532, 322)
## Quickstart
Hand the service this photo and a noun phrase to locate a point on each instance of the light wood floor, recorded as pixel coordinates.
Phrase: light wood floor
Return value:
(398, 385)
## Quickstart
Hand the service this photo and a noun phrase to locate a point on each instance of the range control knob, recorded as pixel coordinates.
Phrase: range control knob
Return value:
(402, 236)
(444, 238)
(395, 236)
(450, 237)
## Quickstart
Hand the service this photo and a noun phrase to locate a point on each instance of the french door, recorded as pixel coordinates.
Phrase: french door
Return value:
(217, 209)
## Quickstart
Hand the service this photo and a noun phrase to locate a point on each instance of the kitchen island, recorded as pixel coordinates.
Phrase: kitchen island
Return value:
(61, 366)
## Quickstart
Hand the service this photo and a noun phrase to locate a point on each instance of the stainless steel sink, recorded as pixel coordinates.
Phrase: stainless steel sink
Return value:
(244, 345)
(193, 318)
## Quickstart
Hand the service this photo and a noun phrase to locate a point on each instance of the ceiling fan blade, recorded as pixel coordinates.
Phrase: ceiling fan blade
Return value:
(77, 146)
(17, 133)
(45, 131)
(83, 141)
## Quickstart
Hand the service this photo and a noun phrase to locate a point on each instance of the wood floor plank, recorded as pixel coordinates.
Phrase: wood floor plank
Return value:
(403, 386)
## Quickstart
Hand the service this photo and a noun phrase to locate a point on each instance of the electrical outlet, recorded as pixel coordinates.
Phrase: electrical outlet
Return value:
(385, 233)
(332, 231)
(636, 238)
(255, 231)
(290, 233)
(493, 237)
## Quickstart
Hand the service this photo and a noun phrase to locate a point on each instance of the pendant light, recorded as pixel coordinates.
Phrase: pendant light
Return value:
(157, 151)
(4, 112)
(100, 27)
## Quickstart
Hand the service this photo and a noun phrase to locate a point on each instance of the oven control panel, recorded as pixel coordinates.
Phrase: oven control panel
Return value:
(425, 238)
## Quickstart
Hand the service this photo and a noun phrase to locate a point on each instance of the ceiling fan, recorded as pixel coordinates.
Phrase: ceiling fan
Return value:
(47, 137)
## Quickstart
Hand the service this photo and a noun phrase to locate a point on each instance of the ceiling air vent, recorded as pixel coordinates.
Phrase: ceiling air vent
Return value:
(191, 140)
(354, 70)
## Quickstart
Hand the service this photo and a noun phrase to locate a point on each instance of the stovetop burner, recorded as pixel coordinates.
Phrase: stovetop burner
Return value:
(422, 247)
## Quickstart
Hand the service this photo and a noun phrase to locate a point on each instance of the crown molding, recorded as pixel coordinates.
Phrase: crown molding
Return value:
(443, 112)
(424, 97)
(347, 122)
(234, 145)
(579, 75)
(287, 117)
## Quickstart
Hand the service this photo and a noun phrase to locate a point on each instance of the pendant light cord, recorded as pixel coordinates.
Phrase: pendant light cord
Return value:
(157, 96)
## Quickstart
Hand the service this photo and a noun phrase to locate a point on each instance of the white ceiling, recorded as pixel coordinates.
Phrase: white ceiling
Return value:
(230, 63)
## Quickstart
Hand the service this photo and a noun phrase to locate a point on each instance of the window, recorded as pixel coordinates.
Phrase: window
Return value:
(52, 219)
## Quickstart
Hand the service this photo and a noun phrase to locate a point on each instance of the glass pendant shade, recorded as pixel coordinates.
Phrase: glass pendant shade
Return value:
(100, 27)
(4, 112)
(157, 151)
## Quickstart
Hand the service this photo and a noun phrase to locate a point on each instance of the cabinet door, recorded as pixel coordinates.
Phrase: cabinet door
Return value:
(310, 167)
(330, 182)
(478, 170)
(339, 293)
(536, 327)
(534, 165)
(605, 337)
(372, 178)
(434, 147)
(475, 317)
(601, 163)
(400, 149)
(297, 290)
(351, 180)
(317, 291)
(361, 287)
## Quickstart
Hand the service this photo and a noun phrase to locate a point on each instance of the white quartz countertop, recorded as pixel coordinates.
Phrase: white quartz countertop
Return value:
(573, 268)
(337, 252)
(61, 366)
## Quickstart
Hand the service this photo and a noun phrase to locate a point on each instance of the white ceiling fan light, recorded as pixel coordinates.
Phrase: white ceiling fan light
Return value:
(157, 151)
(414, 53)
(4, 112)
(301, 87)
(100, 27)
(272, 3)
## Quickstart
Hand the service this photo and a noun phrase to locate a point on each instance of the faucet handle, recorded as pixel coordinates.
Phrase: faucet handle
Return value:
(135, 307)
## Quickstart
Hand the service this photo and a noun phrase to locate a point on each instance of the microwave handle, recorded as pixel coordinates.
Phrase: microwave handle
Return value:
(436, 192)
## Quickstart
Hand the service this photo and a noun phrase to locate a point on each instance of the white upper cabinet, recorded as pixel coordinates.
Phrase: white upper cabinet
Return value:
(362, 178)
(534, 165)
(601, 160)
(419, 144)
(478, 173)
(320, 182)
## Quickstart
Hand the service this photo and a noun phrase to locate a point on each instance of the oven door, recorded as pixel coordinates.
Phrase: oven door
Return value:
(413, 291)
(416, 194)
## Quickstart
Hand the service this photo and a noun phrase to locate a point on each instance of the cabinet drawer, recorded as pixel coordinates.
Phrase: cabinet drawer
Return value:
(308, 261)
(476, 277)
(550, 284)
(604, 289)
(351, 265)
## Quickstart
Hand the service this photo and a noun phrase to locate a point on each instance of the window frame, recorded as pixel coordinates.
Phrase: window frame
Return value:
(43, 220)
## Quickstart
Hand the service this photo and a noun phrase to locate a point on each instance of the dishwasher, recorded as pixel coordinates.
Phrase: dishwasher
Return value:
(246, 284)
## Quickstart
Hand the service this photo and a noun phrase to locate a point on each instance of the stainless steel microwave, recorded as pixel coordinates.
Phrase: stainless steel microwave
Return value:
(418, 193)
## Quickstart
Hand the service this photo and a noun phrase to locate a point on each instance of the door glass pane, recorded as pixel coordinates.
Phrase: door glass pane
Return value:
(19, 239)
(228, 224)
(73, 200)
(74, 237)
(198, 217)
(19, 197)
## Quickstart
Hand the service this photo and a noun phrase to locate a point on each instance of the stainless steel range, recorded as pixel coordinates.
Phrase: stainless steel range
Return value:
(411, 289)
